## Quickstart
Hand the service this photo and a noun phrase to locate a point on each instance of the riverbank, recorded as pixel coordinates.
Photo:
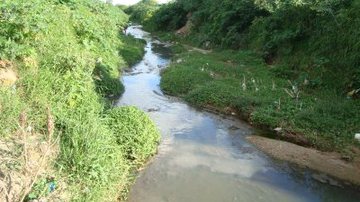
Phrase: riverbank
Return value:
(60, 139)
(239, 83)
(328, 163)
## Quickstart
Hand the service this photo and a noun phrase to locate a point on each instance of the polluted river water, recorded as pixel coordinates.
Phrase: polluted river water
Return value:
(205, 157)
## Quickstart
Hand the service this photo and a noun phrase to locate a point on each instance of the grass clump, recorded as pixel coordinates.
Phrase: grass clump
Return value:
(106, 84)
(180, 82)
(135, 133)
(238, 81)
(133, 51)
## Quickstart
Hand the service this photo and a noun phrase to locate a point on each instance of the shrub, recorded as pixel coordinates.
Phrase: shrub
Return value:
(135, 133)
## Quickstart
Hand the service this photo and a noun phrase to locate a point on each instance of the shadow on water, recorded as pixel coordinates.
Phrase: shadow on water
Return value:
(205, 157)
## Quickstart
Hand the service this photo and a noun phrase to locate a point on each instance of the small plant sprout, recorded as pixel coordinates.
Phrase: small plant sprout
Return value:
(278, 104)
(306, 82)
(244, 84)
(294, 92)
(255, 85)
(273, 85)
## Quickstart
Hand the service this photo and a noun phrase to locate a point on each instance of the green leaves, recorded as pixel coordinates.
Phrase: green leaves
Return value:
(142, 11)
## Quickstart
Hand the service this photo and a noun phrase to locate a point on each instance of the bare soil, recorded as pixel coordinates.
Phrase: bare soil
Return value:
(186, 29)
(8, 76)
(25, 158)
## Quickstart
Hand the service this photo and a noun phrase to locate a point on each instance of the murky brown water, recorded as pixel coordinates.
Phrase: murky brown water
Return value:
(205, 157)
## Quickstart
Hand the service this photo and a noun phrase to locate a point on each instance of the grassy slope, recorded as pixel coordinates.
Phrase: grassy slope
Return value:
(67, 58)
(240, 81)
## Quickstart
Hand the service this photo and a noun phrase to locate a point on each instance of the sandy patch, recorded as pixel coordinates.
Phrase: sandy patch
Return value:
(330, 163)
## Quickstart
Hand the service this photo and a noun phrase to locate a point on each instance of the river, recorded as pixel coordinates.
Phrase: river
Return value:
(205, 157)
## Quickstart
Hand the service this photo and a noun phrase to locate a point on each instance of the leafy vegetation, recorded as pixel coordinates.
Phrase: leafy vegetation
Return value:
(67, 55)
(133, 51)
(136, 134)
(168, 17)
(142, 11)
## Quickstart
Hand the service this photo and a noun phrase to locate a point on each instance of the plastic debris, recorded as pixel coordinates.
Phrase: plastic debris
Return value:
(52, 186)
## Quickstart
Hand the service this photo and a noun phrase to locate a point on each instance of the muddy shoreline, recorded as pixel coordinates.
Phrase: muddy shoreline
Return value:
(329, 163)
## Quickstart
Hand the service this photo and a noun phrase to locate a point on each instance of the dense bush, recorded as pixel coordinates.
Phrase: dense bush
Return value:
(168, 17)
(219, 22)
(142, 11)
(225, 21)
(304, 37)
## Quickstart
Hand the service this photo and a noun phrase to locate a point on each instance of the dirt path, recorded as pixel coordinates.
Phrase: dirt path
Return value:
(325, 162)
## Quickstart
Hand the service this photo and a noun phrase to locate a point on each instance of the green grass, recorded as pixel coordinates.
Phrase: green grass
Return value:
(133, 51)
(10, 108)
(239, 80)
(72, 71)
(135, 133)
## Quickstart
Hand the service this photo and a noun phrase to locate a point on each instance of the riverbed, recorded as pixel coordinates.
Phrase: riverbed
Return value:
(206, 157)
